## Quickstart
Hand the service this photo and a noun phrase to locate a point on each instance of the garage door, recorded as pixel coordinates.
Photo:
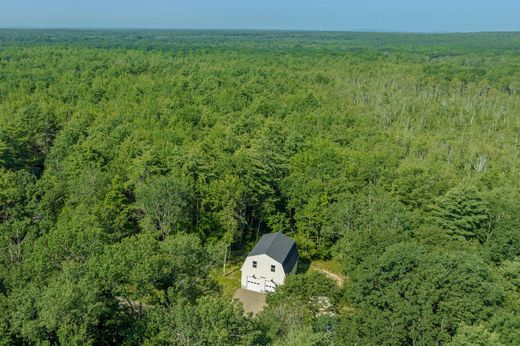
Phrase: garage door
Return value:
(255, 284)
(269, 286)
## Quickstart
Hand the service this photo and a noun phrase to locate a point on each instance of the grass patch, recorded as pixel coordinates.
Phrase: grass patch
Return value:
(331, 266)
(229, 282)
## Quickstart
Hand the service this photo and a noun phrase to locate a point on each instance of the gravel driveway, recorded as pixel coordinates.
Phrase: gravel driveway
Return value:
(252, 301)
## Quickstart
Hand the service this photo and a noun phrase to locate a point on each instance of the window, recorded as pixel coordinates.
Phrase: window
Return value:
(254, 264)
(273, 268)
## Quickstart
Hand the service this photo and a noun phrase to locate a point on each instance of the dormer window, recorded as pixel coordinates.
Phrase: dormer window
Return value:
(254, 264)
(273, 267)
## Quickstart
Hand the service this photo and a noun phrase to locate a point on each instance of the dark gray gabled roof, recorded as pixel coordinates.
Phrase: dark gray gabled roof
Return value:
(279, 247)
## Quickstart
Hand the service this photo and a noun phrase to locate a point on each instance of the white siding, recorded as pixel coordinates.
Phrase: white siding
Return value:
(262, 270)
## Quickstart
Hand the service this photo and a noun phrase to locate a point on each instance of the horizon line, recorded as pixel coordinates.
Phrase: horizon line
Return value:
(358, 30)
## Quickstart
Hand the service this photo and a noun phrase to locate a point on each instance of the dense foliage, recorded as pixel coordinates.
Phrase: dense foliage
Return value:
(132, 161)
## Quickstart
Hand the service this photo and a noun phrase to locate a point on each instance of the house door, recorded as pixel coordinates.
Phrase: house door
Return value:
(253, 284)
(269, 286)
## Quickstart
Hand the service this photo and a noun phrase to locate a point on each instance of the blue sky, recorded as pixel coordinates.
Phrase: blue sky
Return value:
(388, 15)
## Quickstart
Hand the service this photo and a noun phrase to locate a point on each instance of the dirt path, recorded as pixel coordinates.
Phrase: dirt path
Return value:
(338, 278)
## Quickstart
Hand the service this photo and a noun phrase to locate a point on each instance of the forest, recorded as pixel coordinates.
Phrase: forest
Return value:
(132, 162)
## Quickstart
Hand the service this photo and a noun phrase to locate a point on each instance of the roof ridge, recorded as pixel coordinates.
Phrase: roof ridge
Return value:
(272, 240)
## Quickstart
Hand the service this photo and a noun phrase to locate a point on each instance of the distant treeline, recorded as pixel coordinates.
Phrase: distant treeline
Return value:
(157, 39)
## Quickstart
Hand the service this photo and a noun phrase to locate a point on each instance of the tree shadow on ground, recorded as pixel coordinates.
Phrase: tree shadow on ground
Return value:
(303, 265)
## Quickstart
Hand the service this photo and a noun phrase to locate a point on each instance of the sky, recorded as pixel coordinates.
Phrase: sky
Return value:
(349, 15)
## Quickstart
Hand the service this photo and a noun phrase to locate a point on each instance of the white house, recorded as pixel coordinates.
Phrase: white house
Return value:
(273, 258)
